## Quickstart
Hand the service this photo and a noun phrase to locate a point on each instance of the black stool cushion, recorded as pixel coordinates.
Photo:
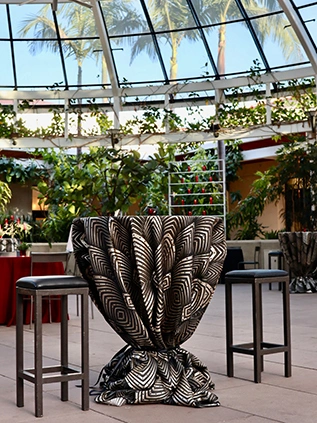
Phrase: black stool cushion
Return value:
(51, 282)
(256, 273)
(275, 253)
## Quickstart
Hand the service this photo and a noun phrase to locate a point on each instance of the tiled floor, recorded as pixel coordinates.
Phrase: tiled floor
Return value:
(276, 399)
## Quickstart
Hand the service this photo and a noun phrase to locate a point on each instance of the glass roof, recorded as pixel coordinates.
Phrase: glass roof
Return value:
(121, 45)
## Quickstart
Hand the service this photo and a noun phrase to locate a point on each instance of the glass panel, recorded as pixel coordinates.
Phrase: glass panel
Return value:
(167, 15)
(256, 8)
(36, 21)
(233, 57)
(216, 12)
(82, 66)
(28, 22)
(4, 31)
(144, 66)
(309, 16)
(76, 21)
(6, 78)
(191, 60)
(303, 2)
(41, 69)
(124, 17)
(281, 46)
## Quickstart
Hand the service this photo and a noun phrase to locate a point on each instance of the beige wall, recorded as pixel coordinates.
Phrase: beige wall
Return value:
(21, 201)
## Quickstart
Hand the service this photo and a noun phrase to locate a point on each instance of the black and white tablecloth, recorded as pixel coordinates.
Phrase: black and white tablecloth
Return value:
(300, 252)
(152, 278)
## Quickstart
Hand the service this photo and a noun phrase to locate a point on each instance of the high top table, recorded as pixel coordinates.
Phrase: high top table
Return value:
(152, 278)
(14, 268)
(300, 252)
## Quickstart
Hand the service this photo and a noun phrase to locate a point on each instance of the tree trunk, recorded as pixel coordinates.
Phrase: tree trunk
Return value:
(221, 62)
(79, 82)
(173, 60)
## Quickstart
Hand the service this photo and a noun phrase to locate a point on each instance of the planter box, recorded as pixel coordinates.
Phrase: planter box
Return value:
(56, 246)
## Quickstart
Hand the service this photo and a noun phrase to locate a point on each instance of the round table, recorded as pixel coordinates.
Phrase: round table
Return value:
(152, 278)
(300, 252)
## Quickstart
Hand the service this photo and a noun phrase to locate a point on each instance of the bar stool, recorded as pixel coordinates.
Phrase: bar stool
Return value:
(279, 255)
(258, 348)
(38, 287)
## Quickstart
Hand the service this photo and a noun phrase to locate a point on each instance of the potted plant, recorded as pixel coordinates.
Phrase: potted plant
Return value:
(23, 248)
(13, 233)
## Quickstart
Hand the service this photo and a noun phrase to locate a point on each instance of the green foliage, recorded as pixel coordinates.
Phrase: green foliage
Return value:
(234, 159)
(10, 127)
(271, 234)
(234, 115)
(5, 195)
(24, 246)
(153, 120)
(56, 227)
(157, 188)
(100, 182)
(245, 215)
(55, 129)
(20, 171)
(294, 107)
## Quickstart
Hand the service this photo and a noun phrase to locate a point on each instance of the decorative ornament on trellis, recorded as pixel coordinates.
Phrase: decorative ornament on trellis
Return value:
(197, 188)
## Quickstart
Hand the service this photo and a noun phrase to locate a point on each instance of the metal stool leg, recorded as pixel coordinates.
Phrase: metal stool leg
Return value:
(229, 329)
(64, 346)
(270, 284)
(19, 351)
(38, 354)
(257, 330)
(84, 352)
(261, 325)
(287, 330)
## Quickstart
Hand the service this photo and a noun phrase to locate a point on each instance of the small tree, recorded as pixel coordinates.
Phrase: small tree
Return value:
(100, 182)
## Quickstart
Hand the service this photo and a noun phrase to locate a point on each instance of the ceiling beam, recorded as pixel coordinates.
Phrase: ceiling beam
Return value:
(133, 141)
(221, 84)
(106, 47)
(301, 31)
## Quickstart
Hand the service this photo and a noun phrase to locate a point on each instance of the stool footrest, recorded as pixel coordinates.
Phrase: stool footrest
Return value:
(65, 374)
(266, 348)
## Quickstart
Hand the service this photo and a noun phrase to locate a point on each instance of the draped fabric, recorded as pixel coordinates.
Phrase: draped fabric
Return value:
(300, 252)
(152, 278)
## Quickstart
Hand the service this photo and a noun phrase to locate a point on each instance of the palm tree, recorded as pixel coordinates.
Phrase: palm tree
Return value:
(220, 11)
(167, 16)
(77, 23)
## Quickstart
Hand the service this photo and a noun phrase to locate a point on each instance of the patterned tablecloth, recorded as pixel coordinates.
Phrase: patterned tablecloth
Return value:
(300, 252)
(152, 278)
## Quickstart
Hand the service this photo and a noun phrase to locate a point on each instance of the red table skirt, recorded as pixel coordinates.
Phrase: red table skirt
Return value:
(14, 268)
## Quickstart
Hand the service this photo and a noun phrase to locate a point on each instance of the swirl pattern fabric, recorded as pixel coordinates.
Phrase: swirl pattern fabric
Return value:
(300, 252)
(152, 278)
